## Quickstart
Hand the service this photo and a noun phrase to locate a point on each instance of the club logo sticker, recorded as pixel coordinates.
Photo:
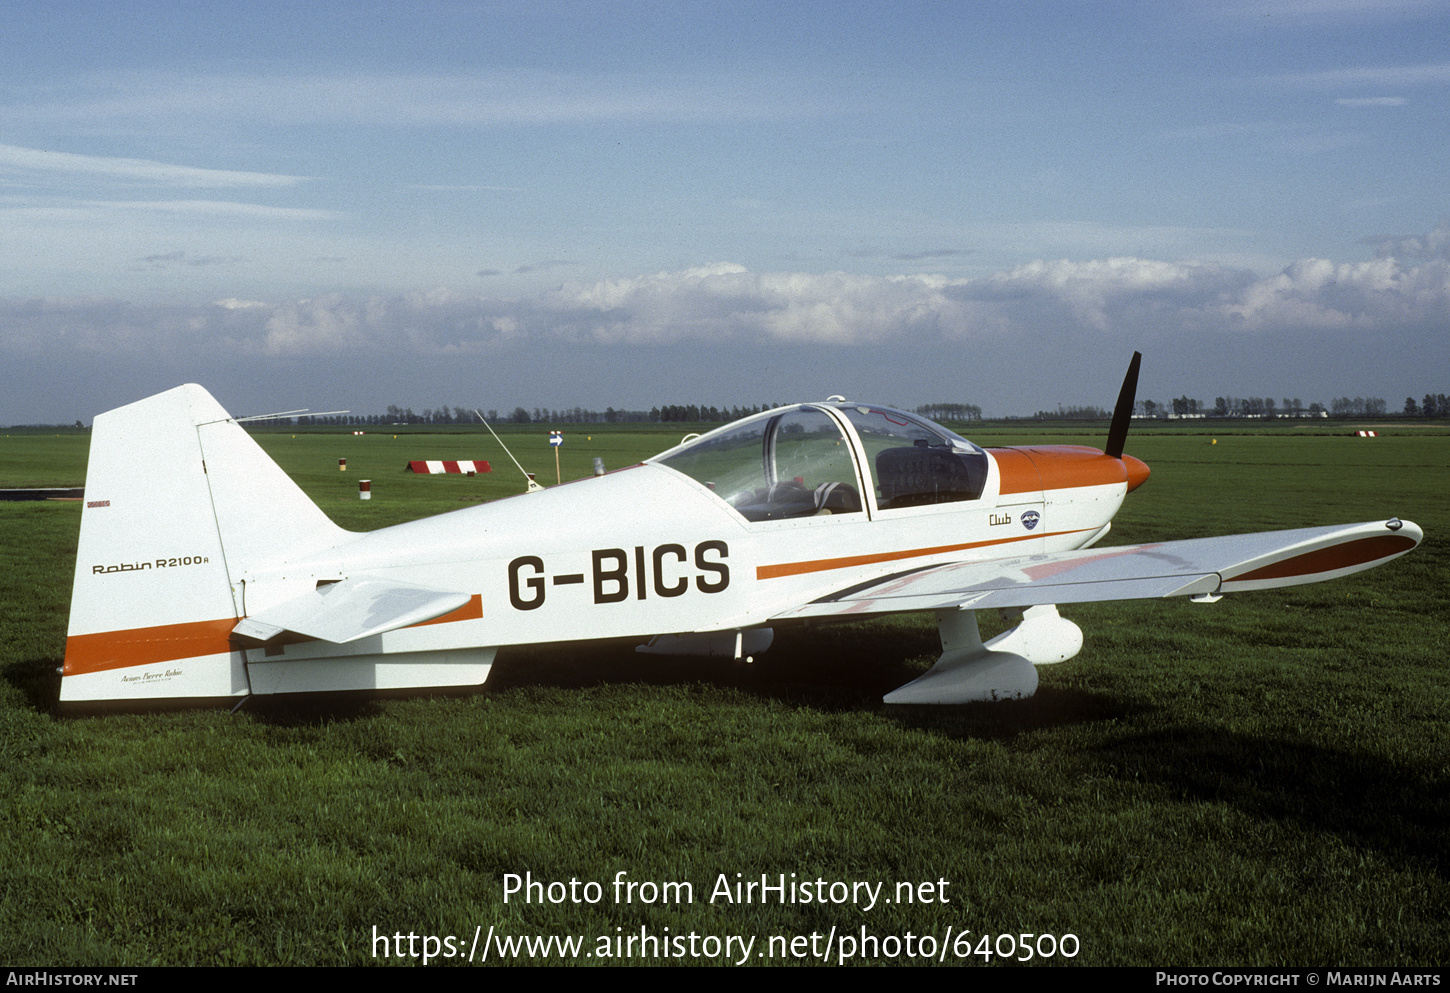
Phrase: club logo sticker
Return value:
(1030, 519)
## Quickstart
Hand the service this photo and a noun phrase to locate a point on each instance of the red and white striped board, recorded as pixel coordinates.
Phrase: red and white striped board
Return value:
(435, 467)
(1368, 434)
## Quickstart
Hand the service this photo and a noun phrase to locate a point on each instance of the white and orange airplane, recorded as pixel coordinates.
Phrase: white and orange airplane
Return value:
(204, 572)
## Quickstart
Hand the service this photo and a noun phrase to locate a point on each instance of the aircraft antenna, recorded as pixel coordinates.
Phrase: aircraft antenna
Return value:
(533, 486)
(284, 413)
(1123, 412)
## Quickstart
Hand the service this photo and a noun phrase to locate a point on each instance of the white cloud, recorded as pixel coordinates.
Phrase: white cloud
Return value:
(311, 326)
(1399, 77)
(1015, 340)
(725, 301)
(220, 208)
(1365, 297)
(725, 304)
(1436, 244)
(161, 173)
(1095, 292)
(167, 101)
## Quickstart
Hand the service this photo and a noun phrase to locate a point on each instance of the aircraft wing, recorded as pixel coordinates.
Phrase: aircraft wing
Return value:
(352, 609)
(1195, 567)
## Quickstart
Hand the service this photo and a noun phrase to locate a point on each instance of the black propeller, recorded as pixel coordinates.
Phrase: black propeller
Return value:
(1123, 412)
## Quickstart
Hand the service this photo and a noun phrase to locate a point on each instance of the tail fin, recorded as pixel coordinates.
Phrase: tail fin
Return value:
(180, 502)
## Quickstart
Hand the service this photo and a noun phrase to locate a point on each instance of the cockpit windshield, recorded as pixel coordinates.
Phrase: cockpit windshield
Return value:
(913, 461)
(787, 463)
(798, 462)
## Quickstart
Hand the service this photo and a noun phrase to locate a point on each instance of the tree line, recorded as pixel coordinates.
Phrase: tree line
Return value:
(1431, 405)
(667, 413)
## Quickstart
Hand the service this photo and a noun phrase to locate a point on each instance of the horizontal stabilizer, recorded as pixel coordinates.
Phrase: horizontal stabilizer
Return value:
(352, 609)
(1195, 567)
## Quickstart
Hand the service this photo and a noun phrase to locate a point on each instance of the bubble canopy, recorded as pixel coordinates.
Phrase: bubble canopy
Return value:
(831, 458)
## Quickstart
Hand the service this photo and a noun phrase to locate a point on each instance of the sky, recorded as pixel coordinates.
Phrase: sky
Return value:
(346, 205)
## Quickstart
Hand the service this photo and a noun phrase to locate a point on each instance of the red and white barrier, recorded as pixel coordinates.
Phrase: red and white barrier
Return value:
(434, 467)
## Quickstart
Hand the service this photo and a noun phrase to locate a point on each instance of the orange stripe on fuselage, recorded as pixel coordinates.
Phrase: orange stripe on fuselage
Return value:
(470, 611)
(170, 642)
(847, 561)
(146, 646)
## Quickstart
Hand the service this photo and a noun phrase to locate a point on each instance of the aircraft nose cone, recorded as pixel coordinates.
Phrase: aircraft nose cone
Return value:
(1137, 472)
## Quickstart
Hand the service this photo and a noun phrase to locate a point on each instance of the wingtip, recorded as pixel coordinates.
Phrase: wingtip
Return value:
(1407, 529)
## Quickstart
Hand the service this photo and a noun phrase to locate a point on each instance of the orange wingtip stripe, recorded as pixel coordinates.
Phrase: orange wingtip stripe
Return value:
(847, 561)
(1345, 556)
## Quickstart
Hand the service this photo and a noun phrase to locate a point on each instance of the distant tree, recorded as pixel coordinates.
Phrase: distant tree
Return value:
(951, 411)
(1072, 414)
(1358, 407)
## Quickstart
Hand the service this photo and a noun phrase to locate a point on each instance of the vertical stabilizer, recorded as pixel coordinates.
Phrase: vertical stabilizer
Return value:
(261, 513)
(179, 500)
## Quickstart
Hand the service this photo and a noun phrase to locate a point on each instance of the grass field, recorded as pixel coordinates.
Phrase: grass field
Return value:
(1263, 781)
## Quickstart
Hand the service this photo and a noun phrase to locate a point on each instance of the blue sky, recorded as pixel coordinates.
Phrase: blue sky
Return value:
(347, 205)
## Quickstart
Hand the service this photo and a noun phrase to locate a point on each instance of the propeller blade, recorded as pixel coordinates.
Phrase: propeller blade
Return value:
(1123, 412)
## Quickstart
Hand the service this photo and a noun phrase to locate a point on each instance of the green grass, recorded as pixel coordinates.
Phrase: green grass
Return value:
(38, 460)
(1262, 781)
